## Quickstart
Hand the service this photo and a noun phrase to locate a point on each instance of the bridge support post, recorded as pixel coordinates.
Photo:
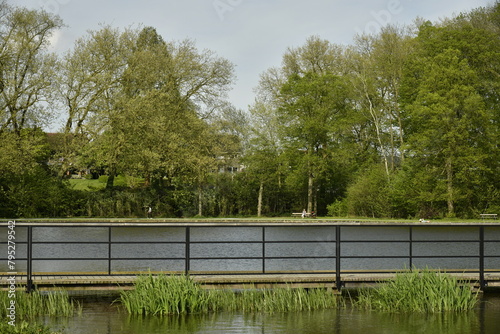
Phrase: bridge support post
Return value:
(482, 282)
(29, 271)
(338, 278)
(187, 251)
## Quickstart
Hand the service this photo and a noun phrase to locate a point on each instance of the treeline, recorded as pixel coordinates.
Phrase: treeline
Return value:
(404, 123)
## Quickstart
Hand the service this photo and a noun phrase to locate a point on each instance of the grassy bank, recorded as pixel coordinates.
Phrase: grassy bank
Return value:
(164, 295)
(421, 291)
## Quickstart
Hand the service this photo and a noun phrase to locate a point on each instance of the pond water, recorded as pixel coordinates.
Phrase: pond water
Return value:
(99, 317)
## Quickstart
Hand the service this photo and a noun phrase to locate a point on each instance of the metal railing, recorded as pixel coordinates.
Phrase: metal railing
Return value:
(337, 248)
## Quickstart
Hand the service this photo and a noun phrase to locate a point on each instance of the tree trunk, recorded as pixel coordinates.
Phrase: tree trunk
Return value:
(111, 178)
(259, 205)
(449, 186)
(200, 200)
(310, 192)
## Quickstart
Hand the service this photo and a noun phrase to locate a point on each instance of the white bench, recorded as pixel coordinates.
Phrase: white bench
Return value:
(488, 215)
(299, 214)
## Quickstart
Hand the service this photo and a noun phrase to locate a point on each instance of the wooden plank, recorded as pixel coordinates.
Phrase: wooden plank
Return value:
(235, 281)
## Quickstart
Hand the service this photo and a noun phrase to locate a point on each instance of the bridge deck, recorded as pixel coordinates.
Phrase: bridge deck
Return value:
(124, 282)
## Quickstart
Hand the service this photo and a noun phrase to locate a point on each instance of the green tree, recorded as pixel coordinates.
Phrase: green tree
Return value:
(90, 85)
(313, 106)
(309, 98)
(448, 127)
(27, 68)
(377, 68)
(263, 158)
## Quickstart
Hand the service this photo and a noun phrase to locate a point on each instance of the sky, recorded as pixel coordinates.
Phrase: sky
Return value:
(253, 34)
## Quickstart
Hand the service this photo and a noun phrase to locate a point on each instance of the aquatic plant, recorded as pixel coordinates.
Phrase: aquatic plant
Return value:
(161, 295)
(422, 291)
(37, 303)
(25, 328)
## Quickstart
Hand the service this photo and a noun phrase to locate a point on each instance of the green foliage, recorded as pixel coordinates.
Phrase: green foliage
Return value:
(163, 295)
(402, 123)
(29, 306)
(25, 328)
(369, 195)
(420, 291)
(338, 208)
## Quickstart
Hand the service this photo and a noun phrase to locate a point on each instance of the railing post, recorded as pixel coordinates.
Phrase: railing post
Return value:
(482, 282)
(109, 250)
(411, 248)
(263, 249)
(29, 286)
(338, 279)
(187, 251)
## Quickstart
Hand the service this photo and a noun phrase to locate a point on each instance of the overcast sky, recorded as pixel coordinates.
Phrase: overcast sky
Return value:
(253, 34)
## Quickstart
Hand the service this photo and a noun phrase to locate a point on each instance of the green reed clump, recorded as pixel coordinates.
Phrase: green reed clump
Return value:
(421, 291)
(25, 328)
(281, 300)
(163, 295)
(36, 303)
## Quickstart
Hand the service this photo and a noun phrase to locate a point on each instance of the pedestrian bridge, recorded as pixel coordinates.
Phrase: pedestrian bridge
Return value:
(110, 253)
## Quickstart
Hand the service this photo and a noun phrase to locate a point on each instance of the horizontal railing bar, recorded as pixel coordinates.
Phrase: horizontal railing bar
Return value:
(249, 242)
(107, 243)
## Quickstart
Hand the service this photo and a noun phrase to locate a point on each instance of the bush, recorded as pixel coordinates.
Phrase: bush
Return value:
(369, 195)
(36, 193)
(338, 208)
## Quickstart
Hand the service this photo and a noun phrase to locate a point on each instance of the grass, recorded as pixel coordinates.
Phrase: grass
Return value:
(163, 295)
(86, 184)
(35, 304)
(419, 291)
(98, 184)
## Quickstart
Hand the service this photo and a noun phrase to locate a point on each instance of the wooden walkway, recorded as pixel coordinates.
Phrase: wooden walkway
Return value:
(125, 282)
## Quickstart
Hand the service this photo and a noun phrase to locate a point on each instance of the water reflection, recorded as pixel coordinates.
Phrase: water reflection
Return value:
(101, 318)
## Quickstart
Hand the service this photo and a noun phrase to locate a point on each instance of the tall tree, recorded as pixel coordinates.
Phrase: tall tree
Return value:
(448, 129)
(27, 68)
(377, 69)
(312, 107)
(307, 93)
(90, 86)
(450, 112)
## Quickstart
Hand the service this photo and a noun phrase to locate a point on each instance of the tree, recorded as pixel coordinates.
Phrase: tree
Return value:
(139, 109)
(90, 85)
(308, 96)
(448, 129)
(263, 158)
(377, 69)
(26, 67)
(312, 107)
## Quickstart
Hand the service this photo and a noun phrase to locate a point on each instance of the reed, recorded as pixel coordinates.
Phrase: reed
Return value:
(36, 303)
(25, 328)
(422, 291)
(164, 295)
